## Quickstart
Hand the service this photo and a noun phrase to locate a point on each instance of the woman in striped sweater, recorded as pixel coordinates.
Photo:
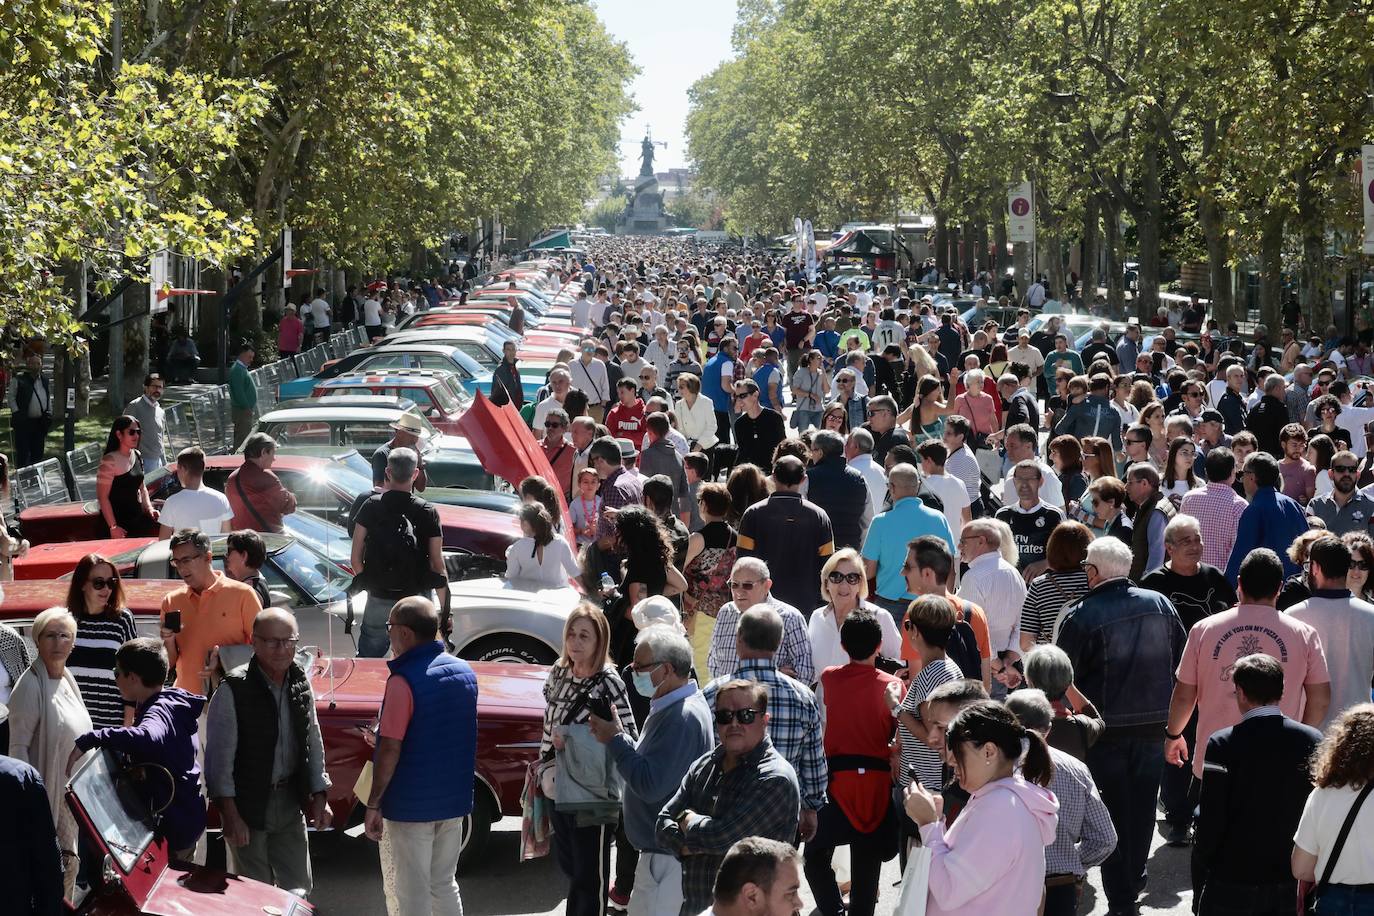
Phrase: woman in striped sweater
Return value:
(103, 624)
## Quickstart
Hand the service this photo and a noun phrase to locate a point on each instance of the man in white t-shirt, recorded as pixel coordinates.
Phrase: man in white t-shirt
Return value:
(951, 490)
(321, 313)
(194, 505)
(372, 316)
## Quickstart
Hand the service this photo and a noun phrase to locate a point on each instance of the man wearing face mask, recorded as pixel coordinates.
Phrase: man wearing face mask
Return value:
(676, 733)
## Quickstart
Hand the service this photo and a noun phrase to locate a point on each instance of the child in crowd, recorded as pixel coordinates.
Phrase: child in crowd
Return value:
(586, 507)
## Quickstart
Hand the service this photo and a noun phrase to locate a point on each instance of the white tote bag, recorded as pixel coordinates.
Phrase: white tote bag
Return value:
(915, 883)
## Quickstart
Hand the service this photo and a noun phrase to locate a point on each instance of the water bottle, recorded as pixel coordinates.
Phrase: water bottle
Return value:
(607, 585)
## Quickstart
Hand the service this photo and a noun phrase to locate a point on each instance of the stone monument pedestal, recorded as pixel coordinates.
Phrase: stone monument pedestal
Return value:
(644, 215)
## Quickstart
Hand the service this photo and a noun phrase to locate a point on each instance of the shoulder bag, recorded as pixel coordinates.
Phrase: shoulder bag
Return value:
(1309, 894)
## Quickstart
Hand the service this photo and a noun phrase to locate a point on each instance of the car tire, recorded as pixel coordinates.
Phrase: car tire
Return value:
(509, 647)
(476, 830)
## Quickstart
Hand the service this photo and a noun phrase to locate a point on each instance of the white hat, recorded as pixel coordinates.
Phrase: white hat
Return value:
(409, 423)
(657, 611)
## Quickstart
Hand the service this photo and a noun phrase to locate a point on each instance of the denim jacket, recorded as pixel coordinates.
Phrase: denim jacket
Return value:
(1125, 643)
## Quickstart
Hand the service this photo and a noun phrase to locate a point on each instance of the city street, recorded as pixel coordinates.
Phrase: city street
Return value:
(348, 881)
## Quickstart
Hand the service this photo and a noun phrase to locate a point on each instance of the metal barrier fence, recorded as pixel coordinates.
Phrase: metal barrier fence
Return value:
(39, 484)
(83, 464)
(203, 420)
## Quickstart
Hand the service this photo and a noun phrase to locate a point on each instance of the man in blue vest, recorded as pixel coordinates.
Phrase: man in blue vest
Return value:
(429, 725)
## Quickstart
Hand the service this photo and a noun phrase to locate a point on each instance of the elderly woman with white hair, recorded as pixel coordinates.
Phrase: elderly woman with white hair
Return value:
(46, 717)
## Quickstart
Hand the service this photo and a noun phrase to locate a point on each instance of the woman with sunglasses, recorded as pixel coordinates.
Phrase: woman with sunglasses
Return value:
(119, 488)
(103, 624)
(1361, 548)
(844, 586)
(835, 418)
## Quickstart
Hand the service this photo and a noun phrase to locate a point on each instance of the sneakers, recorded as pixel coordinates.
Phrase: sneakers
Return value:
(619, 902)
(1176, 835)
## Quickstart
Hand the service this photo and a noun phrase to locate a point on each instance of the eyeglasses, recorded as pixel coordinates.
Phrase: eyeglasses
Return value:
(1344, 468)
(553, 424)
(836, 577)
(100, 584)
(742, 716)
(877, 410)
(182, 561)
(646, 378)
(63, 636)
(1085, 565)
(288, 643)
(741, 395)
(744, 586)
(133, 431)
(1361, 565)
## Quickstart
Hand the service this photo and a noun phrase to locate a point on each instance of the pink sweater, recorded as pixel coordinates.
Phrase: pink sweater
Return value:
(992, 861)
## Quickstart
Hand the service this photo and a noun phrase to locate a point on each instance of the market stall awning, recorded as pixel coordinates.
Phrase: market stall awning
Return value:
(560, 239)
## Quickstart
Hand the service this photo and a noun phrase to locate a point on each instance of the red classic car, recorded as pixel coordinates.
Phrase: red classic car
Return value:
(137, 876)
(323, 488)
(348, 696)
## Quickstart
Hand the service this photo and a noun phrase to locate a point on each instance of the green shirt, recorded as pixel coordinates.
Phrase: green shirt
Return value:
(243, 394)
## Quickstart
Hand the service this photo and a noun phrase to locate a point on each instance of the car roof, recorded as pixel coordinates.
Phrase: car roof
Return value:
(330, 413)
(23, 600)
(350, 400)
(161, 551)
(414, 378)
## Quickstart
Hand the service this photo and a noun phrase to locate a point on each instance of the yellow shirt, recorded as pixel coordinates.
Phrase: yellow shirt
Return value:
(222, 615)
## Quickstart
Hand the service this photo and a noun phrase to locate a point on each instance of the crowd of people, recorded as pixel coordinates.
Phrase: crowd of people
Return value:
(891, 582)
(854, 576)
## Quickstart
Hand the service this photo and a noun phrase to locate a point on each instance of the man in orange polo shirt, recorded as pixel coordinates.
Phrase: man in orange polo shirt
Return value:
(215, 610)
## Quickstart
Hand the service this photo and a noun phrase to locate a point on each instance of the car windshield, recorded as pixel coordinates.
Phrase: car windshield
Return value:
(120, 817)
(477, 352)
(313, 572)
(324, 536)
(355, 463)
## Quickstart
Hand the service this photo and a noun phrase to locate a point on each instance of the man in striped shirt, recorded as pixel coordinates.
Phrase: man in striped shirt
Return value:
(960, 462)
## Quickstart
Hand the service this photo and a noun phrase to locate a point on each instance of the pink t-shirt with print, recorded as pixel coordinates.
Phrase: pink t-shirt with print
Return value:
(1215, 644)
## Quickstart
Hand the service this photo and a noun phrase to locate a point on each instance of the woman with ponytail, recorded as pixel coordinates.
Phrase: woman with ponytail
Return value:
(991, 861)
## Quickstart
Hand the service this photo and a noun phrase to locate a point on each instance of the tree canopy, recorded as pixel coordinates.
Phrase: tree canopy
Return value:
(1211, 131)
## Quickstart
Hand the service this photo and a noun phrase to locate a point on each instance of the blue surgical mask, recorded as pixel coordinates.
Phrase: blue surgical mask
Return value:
(644, 682)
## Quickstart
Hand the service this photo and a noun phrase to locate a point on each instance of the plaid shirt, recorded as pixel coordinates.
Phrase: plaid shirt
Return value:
(622, 488)
(794, 653)
(757, 798)
(1084, 836)
(794, 724)
(1217, 509)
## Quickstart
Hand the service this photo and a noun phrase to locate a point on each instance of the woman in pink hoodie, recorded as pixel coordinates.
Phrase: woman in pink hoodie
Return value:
(992, 861)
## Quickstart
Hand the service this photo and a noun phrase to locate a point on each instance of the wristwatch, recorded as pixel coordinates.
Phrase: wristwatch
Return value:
(1171, 737)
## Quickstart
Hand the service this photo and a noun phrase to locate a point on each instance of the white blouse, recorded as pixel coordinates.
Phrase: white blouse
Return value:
(559, 565)
(826, 651)
(697, 422)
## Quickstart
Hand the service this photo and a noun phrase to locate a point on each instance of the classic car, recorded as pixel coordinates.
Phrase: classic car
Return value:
(348, 696)
(137, 875)
(364, 422)
(433, 395)
(467, 368)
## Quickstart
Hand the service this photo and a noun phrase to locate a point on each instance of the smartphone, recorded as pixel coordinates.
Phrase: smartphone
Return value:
(600, 707)
(172, 621)
(889, 665)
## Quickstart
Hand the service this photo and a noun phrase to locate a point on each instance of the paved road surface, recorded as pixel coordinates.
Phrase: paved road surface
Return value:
(348, 881)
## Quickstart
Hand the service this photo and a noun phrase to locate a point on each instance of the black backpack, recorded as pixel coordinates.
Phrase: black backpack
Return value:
(391, 558)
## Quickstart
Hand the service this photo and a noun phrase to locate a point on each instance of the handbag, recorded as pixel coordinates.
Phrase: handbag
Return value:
(535, 826)
(548, 764)
(1308, 893)
(911, 899)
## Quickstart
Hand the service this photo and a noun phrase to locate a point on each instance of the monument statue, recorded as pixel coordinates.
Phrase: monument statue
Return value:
(646, 157)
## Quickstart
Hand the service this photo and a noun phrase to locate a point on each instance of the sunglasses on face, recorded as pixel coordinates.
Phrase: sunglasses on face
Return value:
(744, 586)
(852, 578)
(744, 716)
(741, 395)
(1361, 565)
(1344, 468)
(133, 432)
(100, 584)
(553, 425)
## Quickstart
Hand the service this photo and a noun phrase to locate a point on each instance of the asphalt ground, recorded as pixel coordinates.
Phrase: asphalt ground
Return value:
(348, 880)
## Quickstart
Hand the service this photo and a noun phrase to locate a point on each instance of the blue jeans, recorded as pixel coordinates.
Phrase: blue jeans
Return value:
(373, 641)
(802, 420)
(1127, 772)
(1346, 900)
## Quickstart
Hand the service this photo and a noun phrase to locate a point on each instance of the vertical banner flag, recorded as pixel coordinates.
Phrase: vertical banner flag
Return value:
(286, 258)
(809, 234)
(159, 270)
(1021, 213)
(799, 245)
(1367, 186)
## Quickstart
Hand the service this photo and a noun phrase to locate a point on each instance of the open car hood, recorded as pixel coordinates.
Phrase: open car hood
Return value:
(506, 447)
